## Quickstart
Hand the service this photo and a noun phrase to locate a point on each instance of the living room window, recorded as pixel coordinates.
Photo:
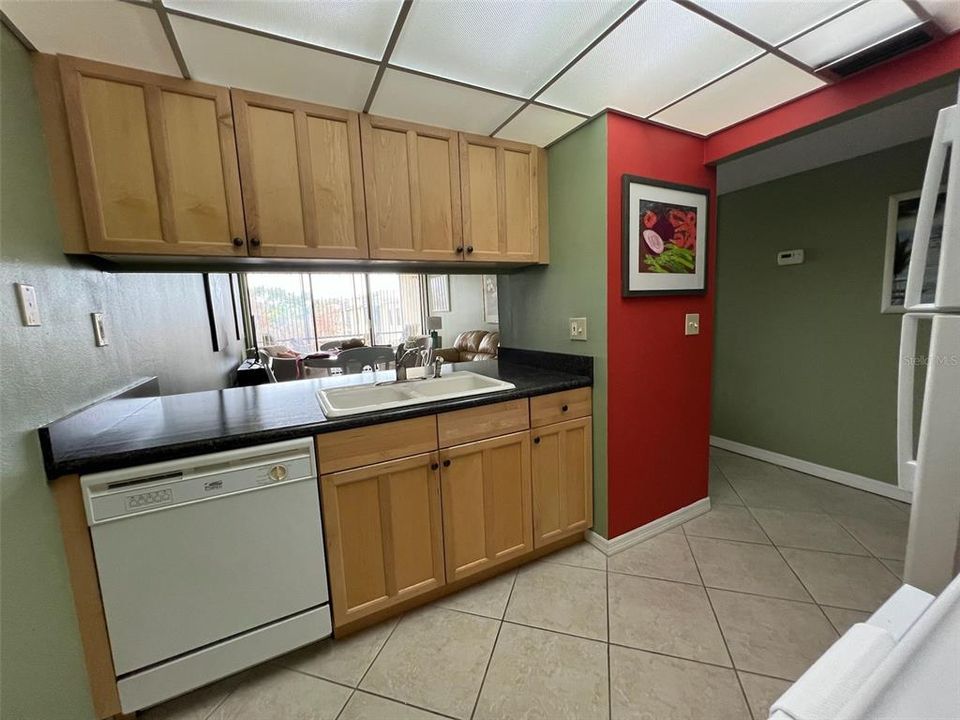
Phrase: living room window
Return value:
(306, 310)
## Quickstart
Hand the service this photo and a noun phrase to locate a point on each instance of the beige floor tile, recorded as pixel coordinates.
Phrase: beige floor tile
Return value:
(560, 597)
(761, 693)
(901, 506)
(857, 583)
(363, 706)
(489, 598)
(726, 522)
(746, 568)
(281, 693)
(644, 686)
(541, 675)
(740, 467)
(838, 499)
(665, 556)
(665, 617)
(885, 537)
(776, 491)
(843, 619)
(196, 705)
(772, 636)
(721, 491)
(894, 566)
(580, 555)
(435, 659)
(344, 661)
(808, 530)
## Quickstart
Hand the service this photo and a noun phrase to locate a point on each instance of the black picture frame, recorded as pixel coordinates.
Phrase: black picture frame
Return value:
(702, 194)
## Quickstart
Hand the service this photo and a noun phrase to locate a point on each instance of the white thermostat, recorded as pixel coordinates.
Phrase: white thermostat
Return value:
(789, 257)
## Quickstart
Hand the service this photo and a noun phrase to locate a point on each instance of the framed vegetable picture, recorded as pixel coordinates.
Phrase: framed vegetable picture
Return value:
(664, 238)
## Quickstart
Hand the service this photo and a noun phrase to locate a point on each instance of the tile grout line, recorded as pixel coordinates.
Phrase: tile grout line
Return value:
(353, 692)
(496, 639)
(380, 650)
(606, 581)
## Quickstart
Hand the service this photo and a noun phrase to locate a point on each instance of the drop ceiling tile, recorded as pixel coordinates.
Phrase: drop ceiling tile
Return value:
(658, 54)
(538, 125)
(106, 30)
(945, 12)
(419, 99)
(361, 28)
(514, 47)
(239, 59)
(759, 86)
(774, 21)
(852, 31)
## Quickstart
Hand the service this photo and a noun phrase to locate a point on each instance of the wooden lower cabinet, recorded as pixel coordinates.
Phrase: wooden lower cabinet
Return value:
(487, 513)
(562, 480)
(384, 534)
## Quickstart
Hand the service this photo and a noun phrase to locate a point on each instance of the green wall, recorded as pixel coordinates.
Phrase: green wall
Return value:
(535, 304)
(805, 364)
(156, 325)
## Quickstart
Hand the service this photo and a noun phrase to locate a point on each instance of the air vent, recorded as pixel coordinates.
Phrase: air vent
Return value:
(880, 51)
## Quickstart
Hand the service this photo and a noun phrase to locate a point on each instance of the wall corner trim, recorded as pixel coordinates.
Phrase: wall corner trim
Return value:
(877, 487)
(645, 532)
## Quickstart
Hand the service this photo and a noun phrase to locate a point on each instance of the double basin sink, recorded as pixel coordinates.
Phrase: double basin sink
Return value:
(343, 401)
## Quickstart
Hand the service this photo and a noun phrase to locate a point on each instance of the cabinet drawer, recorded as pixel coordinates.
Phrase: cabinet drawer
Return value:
(377, 443)
(479, 423)
(560, 406)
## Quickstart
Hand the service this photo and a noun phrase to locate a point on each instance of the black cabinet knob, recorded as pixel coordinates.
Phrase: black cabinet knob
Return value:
(434, 466)
(469, 248)
(564, 408)
(255, 242)
(536, 441)
(446, 463)
(238, 242)
(460, 248)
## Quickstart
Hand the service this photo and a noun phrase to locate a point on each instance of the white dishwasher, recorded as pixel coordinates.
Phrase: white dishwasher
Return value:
(207, 565)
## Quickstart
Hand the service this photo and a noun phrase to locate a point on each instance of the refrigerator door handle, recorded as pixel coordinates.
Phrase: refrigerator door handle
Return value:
(906, 444)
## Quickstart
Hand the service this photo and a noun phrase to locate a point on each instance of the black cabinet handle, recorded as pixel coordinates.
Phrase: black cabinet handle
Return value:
(434, 466)
(536, 440)
(255, 242)
(564, 408)
(469, 248)
(446, 463)
(238, 241)
(459, 248)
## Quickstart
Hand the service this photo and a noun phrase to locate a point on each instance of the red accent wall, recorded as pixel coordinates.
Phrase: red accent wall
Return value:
(658, 405)
(925, 64)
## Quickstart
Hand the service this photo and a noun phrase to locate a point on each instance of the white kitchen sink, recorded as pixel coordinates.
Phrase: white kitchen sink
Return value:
(342, 401)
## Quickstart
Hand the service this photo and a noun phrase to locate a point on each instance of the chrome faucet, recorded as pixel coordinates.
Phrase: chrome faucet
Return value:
(401, 358)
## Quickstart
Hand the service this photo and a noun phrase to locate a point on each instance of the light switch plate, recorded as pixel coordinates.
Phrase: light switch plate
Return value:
(578, 328)
(29, 305)
(692, 324)
(99, 333)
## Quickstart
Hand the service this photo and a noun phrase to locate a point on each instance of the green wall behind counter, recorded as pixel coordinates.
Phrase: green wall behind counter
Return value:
(535, 304)
(805, 364)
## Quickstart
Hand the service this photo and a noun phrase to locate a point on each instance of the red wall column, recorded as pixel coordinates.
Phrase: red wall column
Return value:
(658, 405)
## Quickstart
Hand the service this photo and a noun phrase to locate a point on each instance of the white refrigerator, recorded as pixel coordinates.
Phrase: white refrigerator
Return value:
(929, 451)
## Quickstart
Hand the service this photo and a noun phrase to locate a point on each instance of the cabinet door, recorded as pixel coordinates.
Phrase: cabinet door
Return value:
(156, 161)
(302, 179)
(562, 480)
(487, 516)
(501, 200)
(412, 178)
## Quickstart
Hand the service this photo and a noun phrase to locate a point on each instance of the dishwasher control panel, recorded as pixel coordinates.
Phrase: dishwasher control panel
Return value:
(149, 499)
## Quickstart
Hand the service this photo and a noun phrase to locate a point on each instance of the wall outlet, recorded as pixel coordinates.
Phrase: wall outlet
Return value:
(99, 333)
(790, 257)
(578, 328)
(691, 324)
(29, 306)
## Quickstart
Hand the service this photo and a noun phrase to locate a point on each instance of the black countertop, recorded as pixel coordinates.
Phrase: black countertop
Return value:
(139, 426)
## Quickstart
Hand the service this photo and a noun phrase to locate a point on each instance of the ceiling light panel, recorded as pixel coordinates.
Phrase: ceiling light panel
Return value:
(852, 31)
(239, 59)
(514, 47)
(433, 102)
(106, 30)
(538, 125)
(658, 54)
(362, 28)
(774, 20)
(945, 12)
(761, 85)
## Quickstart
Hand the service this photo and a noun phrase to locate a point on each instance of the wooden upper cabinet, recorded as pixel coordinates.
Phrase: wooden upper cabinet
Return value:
(156, 161)
(302, 178)
(487, 515)
(412, 178)
(562, 480)
(502, 200)
(384, 536)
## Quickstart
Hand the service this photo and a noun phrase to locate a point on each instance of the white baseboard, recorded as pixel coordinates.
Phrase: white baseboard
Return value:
(821, 471)
(645, 532)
